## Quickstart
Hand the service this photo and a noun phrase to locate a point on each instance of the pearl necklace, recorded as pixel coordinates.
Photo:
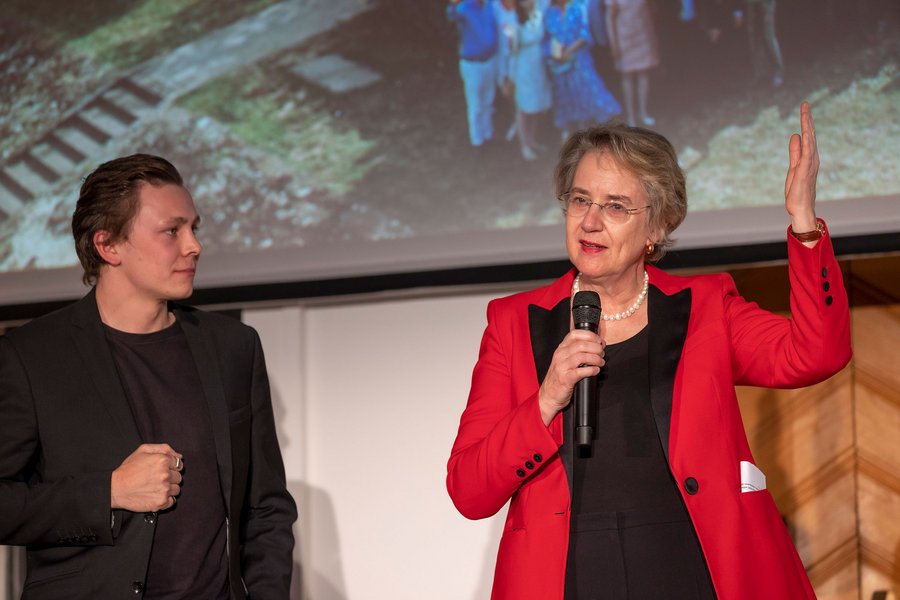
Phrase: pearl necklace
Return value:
(628, 311)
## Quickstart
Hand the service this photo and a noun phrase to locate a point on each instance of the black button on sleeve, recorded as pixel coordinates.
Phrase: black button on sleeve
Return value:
(537, 458)
(520, 472)
(529, 464)
(824, 271)
(691, 486)
(828, 300)
(826, 286)
(137, 588)
(150, 518)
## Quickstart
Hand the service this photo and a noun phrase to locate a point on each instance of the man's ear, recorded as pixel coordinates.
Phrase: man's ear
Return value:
(108, 251)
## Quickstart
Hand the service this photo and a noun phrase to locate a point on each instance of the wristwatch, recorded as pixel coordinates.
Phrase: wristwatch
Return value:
(810, 236)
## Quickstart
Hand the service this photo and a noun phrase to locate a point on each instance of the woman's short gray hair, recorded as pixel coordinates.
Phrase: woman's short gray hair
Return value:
(647, 154)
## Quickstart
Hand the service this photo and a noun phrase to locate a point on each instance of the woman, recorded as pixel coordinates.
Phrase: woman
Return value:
(532, 87)
(632, 41)
(506, 15)
(657, 509)
(579, 95)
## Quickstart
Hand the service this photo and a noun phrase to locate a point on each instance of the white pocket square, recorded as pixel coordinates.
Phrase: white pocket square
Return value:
(752, 479)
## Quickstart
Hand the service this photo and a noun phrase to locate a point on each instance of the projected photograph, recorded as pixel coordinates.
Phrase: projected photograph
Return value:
(309, 123)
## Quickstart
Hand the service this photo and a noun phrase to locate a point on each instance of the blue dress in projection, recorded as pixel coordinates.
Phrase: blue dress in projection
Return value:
(578, 92)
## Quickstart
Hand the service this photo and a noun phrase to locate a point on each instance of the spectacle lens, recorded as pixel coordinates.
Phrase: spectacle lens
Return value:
(577, 206)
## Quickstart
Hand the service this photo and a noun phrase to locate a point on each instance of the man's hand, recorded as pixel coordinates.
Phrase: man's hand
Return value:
(148, 480)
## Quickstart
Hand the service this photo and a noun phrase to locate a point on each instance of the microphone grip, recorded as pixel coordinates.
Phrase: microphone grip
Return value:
(585, 315)
(585, 390)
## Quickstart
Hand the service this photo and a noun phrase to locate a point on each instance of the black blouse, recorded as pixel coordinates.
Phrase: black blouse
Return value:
(631, 536)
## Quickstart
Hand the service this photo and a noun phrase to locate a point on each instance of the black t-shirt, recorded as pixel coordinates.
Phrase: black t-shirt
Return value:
(157, 370)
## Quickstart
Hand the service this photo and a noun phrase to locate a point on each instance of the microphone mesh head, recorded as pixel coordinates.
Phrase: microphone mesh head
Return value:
(586, 308)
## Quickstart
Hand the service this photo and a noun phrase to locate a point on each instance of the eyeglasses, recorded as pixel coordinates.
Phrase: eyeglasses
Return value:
(577, 205)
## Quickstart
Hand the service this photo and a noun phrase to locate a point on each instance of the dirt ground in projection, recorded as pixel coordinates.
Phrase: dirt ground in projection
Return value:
(421, 176)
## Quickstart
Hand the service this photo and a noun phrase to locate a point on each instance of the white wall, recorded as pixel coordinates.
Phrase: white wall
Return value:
(367, 398)
(12, 572)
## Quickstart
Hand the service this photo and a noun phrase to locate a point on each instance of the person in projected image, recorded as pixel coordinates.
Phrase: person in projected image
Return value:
(529, 75)
(479, 63)
(138, 455)
(632, 41)
(505, 14)
(660, 505)
(579, 95)
(714, 17)
(765, 51)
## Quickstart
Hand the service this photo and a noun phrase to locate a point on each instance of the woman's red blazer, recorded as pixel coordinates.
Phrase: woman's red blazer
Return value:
(704, 340)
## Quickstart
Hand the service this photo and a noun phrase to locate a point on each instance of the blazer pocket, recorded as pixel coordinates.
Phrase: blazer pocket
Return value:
(52, 586)
(760, 501)
(515, 518)
(239, 414)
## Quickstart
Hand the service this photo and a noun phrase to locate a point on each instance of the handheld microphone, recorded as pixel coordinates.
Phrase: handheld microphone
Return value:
(585, 315)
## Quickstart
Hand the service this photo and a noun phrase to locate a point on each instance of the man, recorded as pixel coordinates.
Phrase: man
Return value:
(764, 47)
(708, 42)
(138, 455)
(478, 63)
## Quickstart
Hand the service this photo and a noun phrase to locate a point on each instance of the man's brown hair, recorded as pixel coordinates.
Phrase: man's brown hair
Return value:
(108, 201)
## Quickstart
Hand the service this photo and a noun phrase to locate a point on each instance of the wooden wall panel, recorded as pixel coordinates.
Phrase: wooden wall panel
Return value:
(800, 434)
(877, 392)
(842, 585)
(803, 440)
(831, 452)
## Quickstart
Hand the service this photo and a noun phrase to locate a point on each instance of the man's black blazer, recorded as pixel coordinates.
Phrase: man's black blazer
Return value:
(66, 424)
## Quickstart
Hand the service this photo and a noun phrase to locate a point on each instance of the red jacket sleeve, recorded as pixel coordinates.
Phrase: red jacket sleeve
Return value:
(501, 431)
(809, 346)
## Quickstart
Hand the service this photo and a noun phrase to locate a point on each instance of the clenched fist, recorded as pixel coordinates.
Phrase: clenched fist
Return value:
(148, 480)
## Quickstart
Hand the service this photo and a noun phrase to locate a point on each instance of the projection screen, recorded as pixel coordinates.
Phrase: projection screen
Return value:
(328, 139)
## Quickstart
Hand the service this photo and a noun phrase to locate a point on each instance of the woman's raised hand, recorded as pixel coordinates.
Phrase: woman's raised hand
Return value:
(800, 183)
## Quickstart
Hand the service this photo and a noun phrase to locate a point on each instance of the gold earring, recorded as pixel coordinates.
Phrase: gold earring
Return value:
(649, 249)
